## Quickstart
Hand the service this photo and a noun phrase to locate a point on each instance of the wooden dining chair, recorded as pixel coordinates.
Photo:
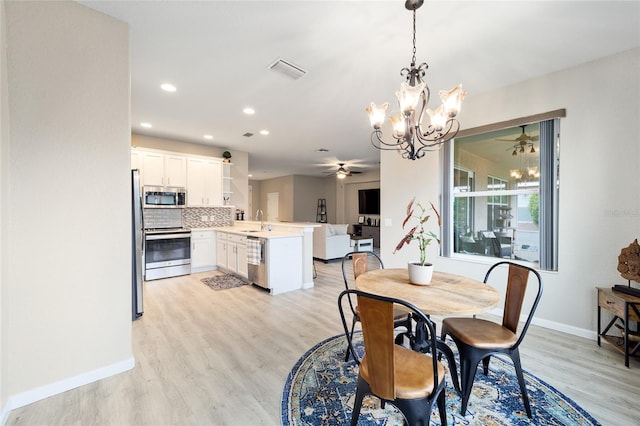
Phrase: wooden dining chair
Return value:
(478, 339)
(360, 262)
(409, 380)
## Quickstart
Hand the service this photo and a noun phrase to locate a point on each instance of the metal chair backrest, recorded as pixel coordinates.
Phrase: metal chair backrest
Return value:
(360, 262)
(376, 316)
(517, 281)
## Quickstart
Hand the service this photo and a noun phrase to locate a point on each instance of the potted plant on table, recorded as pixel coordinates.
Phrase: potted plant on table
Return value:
(419, 272)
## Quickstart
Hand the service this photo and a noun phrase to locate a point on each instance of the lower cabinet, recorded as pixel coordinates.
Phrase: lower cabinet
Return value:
(221, 250)
(203, 251)
(232, 253)
(237, 254)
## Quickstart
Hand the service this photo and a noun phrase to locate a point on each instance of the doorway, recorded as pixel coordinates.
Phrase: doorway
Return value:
(273, 199)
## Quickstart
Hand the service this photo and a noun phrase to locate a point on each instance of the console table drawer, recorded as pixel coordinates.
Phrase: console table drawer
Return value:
(614, 304)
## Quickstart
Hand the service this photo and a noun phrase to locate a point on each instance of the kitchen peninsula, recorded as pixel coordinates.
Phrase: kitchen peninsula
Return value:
(289, 248)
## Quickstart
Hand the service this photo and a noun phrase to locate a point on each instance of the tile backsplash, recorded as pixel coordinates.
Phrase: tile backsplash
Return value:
(162, 218)
(206, 217)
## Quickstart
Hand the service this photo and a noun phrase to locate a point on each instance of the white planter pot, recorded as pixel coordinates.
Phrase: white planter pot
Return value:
(419, 274)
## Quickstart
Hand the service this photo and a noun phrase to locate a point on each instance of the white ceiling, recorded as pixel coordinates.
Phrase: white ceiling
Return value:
(217, 54)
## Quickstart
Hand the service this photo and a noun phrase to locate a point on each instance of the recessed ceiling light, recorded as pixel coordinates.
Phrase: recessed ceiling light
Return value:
(264, 132)
(147, 125)
(249, 111)
(249, 175)
(168, 87)
(207, 136)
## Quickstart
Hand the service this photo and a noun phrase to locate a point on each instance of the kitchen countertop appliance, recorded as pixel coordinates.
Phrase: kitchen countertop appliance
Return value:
(256, 261)
(167, 244)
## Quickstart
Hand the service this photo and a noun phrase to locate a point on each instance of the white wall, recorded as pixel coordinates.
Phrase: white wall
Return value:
(4, 206)
(66, 258)
(599, 169)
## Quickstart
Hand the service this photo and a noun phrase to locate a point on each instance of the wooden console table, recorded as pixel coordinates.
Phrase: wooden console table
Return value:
(625, 309)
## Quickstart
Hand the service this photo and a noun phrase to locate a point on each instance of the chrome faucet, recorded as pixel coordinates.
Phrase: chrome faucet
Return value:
(260, 216)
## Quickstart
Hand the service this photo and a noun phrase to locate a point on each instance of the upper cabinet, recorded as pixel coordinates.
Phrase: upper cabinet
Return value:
(207, 179)
(175, 169)
(164, 169)
(204, 182)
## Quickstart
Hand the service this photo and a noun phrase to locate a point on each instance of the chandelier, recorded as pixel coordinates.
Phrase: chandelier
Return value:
(525, 173)
(412, 138)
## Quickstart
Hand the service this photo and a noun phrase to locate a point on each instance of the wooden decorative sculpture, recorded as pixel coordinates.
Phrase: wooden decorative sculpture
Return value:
(629, 262)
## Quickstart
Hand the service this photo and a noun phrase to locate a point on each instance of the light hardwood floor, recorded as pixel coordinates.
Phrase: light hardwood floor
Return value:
(207, 357)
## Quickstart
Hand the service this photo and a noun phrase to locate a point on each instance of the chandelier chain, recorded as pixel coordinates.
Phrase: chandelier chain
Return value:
(413, 59)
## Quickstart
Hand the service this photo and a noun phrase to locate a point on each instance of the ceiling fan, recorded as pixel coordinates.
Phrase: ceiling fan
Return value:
(342, 172)
(521, 142)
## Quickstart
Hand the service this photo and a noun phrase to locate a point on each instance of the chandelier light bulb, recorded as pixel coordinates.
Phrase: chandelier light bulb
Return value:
(377, 114)
(438, 118)
(397, 122)
(408, 97)
(452, 100)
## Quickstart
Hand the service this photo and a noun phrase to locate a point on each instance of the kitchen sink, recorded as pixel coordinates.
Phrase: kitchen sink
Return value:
(250, 230)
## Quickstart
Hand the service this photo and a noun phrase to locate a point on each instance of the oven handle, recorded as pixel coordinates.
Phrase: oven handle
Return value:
(149, 237)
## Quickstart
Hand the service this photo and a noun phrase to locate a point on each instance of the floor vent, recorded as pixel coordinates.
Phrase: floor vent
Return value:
(287, 68)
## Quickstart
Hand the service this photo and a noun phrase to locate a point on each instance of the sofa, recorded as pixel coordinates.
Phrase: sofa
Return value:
(331, 241)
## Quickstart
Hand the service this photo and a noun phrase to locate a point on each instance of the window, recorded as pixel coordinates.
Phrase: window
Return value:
(501, 191)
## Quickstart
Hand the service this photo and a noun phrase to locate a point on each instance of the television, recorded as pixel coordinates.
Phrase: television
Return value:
(369, 201)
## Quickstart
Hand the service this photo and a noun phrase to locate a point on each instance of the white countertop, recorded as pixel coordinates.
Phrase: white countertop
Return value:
(249, 231)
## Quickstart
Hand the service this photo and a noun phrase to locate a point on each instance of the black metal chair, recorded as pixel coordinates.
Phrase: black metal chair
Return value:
(409, 380)
(478, 339)
(360, 262)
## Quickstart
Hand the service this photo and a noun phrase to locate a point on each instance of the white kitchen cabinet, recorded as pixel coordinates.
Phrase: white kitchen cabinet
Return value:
(237, 254)
(243, 266)
(204, 182)
(136, 160)
(164, 169)
(221, 250)
(175, 170)
(153, 168)
(203, 251)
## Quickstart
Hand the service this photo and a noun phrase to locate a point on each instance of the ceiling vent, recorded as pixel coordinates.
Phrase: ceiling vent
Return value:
(248, 135)
(287, 68)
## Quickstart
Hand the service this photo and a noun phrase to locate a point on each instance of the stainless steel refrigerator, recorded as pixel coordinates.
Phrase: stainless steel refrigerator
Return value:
(137, 245)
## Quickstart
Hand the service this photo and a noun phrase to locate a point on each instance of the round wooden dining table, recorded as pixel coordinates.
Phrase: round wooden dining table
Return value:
(448, 294)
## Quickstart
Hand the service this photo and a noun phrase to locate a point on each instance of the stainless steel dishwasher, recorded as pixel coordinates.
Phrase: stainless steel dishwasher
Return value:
(256, 261)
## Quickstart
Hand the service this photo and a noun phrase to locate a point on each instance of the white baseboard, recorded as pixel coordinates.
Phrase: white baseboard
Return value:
(4, 415)
(580, 332)
(556, 326)
(37, 394)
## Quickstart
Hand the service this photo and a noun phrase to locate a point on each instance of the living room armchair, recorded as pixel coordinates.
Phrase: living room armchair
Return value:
(331, 241)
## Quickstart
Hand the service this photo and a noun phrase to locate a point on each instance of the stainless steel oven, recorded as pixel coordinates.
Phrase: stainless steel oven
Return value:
(167, 253)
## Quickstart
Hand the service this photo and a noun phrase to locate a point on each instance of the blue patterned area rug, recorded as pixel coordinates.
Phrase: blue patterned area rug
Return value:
(321, 387)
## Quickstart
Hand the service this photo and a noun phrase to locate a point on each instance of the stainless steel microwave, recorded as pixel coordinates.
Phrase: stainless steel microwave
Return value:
(164, 197)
